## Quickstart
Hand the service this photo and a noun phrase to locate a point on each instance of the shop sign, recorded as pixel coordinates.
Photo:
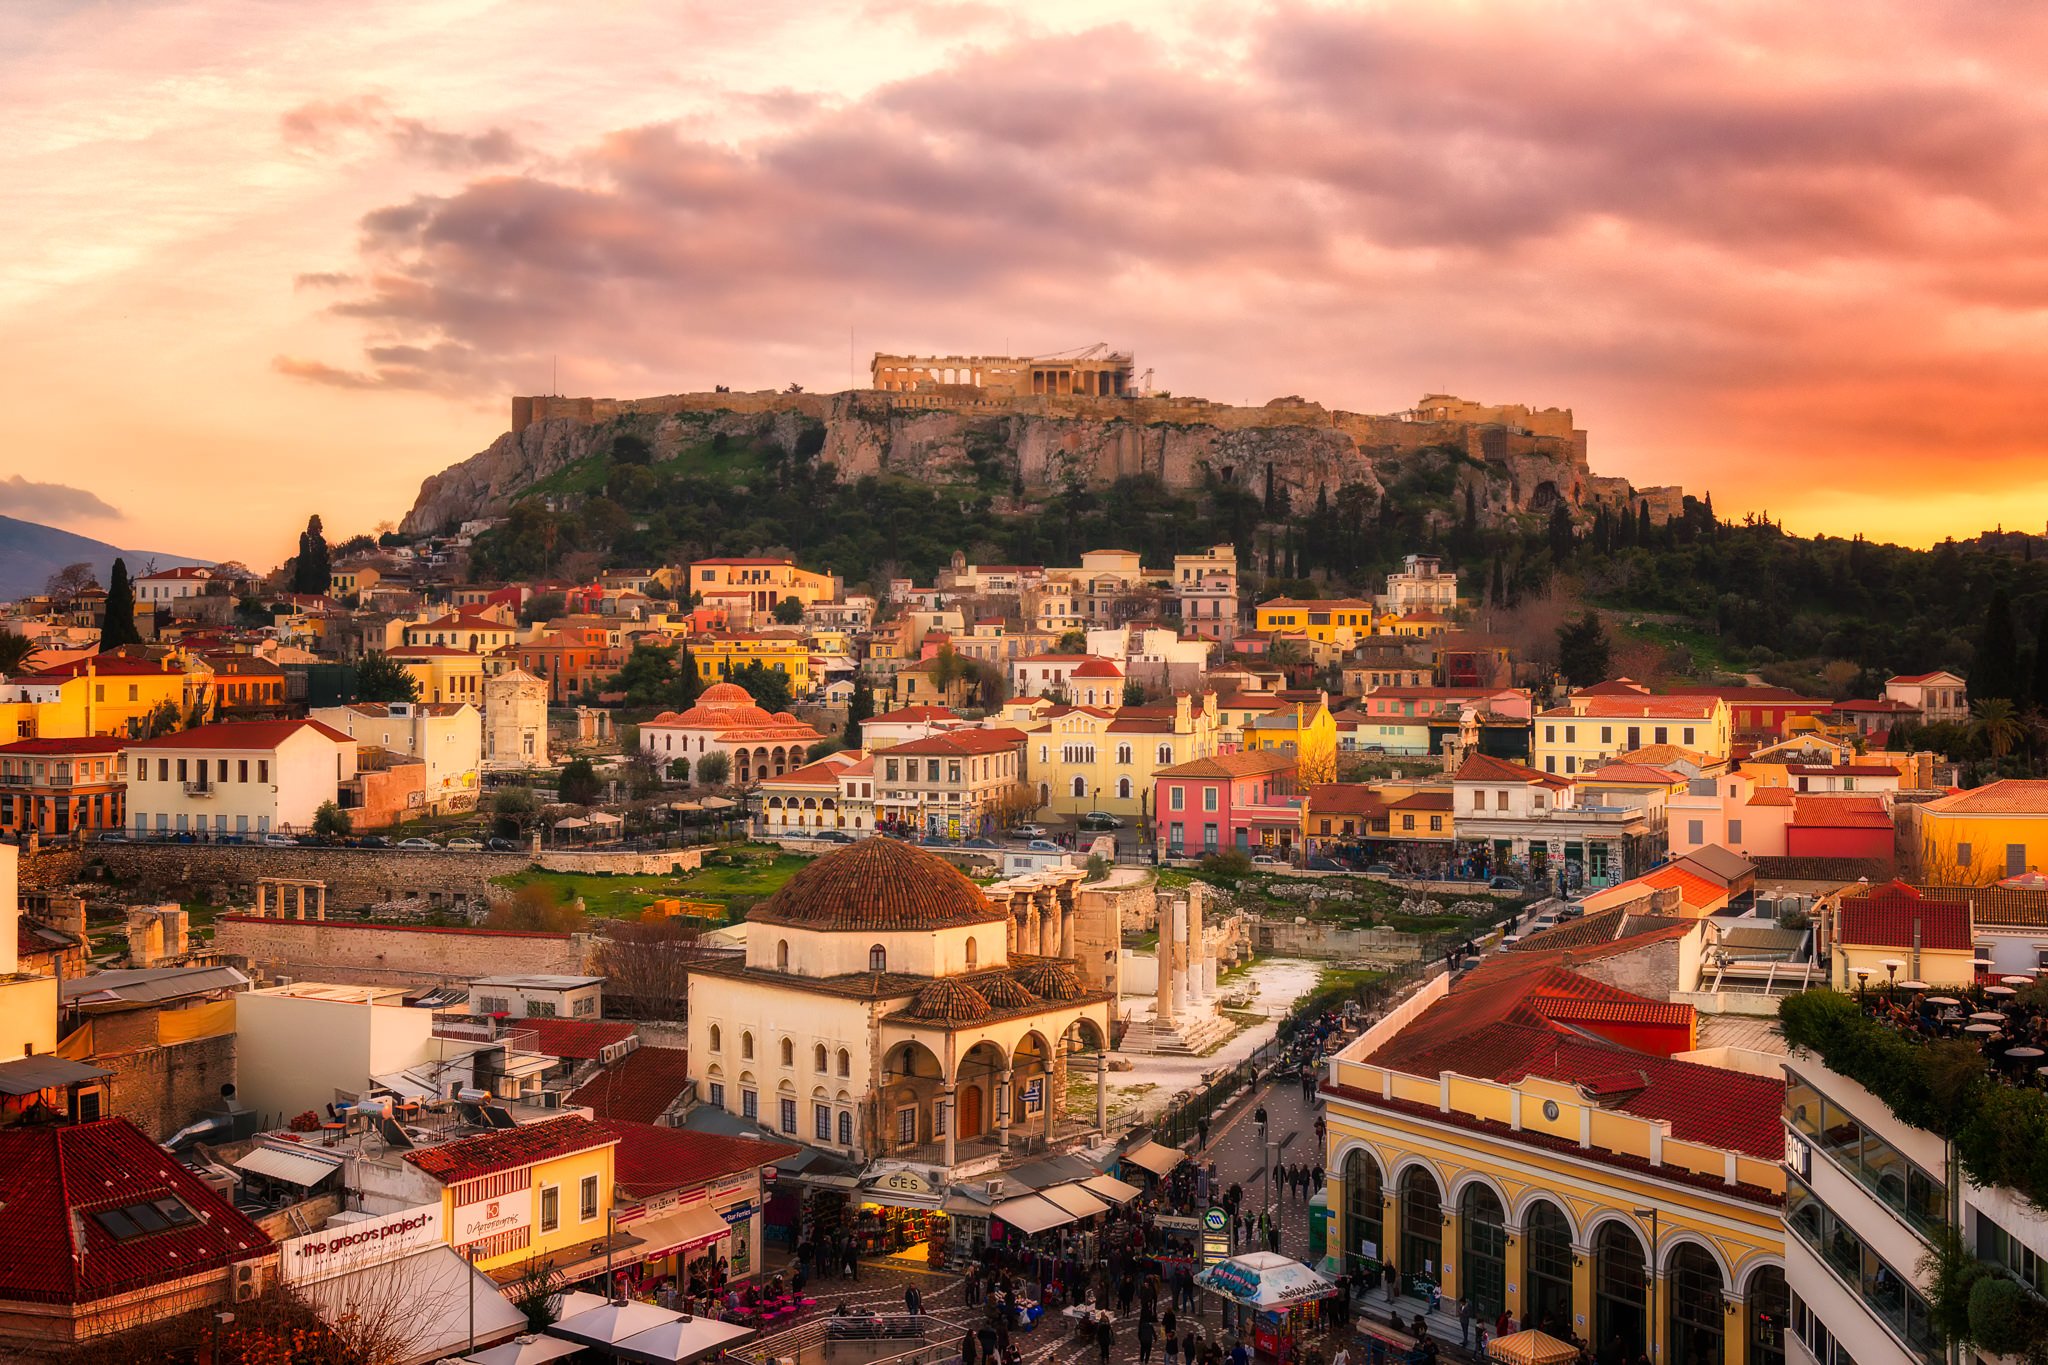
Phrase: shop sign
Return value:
(1215, 1250)
(342, 1247)
(739, 1213)
(727, 1189)
(1174, 1222)
(768, 1175)
(903, 1182)
(1034, 1095)
(489, 1217)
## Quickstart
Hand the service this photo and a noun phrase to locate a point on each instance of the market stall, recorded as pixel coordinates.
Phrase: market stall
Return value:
(1272, 1297)
(1531, 1348)
(898, 1214)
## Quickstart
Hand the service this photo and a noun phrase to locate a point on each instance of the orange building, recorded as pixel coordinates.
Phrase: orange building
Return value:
(61, 786)
(572, 659)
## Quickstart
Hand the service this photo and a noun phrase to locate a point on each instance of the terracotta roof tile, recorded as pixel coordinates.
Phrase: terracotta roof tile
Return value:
(649, 1160)
(1886, 917)
(240, 734)
(640, 1086)
(2009, 796)
(576, 1039)
(877, 884)
(949, 1001)
(509, 1148)
(1255, 764)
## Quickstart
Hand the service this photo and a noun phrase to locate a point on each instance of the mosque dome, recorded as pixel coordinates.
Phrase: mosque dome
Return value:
(878, 885)
(947, 1001)
(1054, 980)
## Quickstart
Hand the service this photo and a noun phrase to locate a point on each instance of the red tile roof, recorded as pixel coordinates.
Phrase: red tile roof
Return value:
(576, 1039)
(90, 744)
(2009, 796)
(102, 666)
(1885, 917)
(1631, 772)
(1920, 677)
(650, 1160)
(510, 1148)
(55, 1177)
(877, 884)
(1841, 812)
(1098, 668)
(1693, 889)
(240, 734)
(639, 1086)
(961, 742)
(1259, 763)
(1487, 768)
(1431, 800)
(1614, 687)
(1773, 796)
(1622, 708)
(1345, 798)
(905, 714)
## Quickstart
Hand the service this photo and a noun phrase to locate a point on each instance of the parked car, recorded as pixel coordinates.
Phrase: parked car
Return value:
(1267, 860)
(373, 841)
(833, 836)
(979, 843)
(1043, 846)
(422, 845)
(464, 846)
(1029, 831)
(1503, 884)
(280, 841)
(1319, 863)
(502, 845)
(1100, 819)
(112, 837)
(1382, 870)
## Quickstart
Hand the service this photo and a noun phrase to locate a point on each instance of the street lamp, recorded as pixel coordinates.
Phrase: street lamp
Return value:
(469, 1285)
(1651, 1214)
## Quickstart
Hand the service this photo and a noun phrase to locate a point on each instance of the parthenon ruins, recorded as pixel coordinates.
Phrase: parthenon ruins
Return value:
(1105, 375)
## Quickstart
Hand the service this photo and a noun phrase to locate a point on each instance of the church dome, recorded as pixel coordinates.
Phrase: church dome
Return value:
(719, 705)
(947, 1001)
(1051, 979)
(878, 885)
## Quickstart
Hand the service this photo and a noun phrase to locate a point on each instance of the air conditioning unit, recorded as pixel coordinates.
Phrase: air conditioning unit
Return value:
(994, 1188)
(245, 1282)
(549, 1099)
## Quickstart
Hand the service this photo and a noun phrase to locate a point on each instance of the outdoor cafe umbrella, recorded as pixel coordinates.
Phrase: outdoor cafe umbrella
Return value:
(1531, 1348)
(525, 1351)
(683, 1339)
(608, 1324)
(1266, 1280)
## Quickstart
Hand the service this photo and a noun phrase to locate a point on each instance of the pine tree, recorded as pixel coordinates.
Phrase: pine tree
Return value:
(119, 626)
(1582, 650)
(1562, 536)
(1995, 672)
(1643, 522)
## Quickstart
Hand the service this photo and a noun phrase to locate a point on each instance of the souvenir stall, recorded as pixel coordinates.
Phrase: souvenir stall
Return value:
(898, 1213)
(1270, 1299)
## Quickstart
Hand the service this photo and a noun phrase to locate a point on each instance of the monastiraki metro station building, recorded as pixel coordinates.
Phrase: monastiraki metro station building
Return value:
(1536, 1138)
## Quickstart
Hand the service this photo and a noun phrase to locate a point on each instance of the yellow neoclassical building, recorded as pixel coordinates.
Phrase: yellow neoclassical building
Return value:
(1537, 1139)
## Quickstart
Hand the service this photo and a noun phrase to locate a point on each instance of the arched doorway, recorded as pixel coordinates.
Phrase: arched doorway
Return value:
(1031, 1083)
(1547, 1239)
(1422, 1226)
(910, 1080)
(1483, 1252)
(1620, 1291)
(1695, 1315)
(1769, 1309)
(975, 1081)
(1364, 1245)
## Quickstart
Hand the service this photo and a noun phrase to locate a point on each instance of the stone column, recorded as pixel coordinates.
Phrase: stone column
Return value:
(1582, 1292)
(299, 901)
(1005, 1102)
(1050, 919)
(1163, 1010)
(1031, 930)
(259, 899)
(320, 906)
(1199, 958)
(1182, 948)
(1102, 1090)
(952, 1119)
(1053, 1103)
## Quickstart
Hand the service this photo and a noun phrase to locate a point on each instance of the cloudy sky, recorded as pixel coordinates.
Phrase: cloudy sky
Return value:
(263, 259)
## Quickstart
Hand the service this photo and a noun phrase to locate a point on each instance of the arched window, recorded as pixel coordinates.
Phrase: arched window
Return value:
(1483, 1249)
(1123, 753)
(973, 952)
(818, 1059)
(747, 1047)
(715, 1039)
(845, 1062)
(1695, 1316)
(1362, 1209)
(878, 959)
(1620, 1289)
(788, 1053)
(782, 956)
(1769, 1305)
(1422, 1225)
(1080, 786)
(1549, 1243)
(845, 1128)
(1123, 789)
(1165, 753)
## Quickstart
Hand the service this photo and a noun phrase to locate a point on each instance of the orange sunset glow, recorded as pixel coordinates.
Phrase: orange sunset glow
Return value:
(264, 260)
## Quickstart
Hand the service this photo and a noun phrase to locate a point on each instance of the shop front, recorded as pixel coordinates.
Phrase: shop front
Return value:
(899, 1213)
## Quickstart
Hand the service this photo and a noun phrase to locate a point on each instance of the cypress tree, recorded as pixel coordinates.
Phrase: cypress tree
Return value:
(312, 570)
(2040, 679)
(1643, 522)
(1996, 670)
(119, 626)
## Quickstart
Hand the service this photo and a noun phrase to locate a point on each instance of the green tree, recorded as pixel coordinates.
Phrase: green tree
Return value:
(1996, 722)
(119, 626)
(631, 448)
(1071, 642)
(768, 687)
(713, 769)
(512, 811)
(163, 719)
(579, 785)
(858, 712)
(379, 677)
(311, 569)
(651, 677)
(1583, 650)
(2040, 678)
(543, 606)
(331, 821)
(1563, 535)
(789, 611)
(1995, 671)
(1134, 692)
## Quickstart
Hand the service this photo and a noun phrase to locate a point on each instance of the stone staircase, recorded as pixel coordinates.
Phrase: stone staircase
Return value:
(1187, 1036)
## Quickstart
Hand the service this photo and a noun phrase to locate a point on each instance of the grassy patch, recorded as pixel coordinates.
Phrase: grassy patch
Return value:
(755, 872)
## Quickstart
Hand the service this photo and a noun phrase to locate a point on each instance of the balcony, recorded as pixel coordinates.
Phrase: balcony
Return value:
(199, 790)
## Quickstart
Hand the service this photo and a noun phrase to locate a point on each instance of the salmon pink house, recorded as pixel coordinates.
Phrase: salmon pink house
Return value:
(1248, 801)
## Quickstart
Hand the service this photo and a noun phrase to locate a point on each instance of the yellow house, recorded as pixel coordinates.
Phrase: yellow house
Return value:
(473, 631)
(1340, 620)
(1534, 1140)
(719, 654)
(100, 694)
(1086, 758)
(1893, 933)
(444, 673)
(1310, 735)
(543, 1191)
(765, 582)
(1588, 732)
(352, 581)
(1980, 836)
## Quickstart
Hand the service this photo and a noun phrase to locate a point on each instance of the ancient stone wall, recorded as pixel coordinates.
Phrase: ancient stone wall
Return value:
(355, 877)
(386, 955)
(161, 1089)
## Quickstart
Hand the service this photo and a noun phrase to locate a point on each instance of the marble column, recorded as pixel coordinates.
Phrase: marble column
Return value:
(1163, 1009)
(1102, 1090)
(1031, 933)
(1053, 1103)
(951, 1119)
(1005, 1102)
(1198, 947)
(1181, 950)
(1048, 921)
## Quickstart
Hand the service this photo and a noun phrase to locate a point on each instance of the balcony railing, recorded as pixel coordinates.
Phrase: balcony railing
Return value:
(199, 789)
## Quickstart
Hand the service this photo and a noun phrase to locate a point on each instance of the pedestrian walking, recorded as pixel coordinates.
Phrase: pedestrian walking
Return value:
(1105, 1337)
(1202, 1133)
(968, 1351)
(1465, 1322)
(1147, 1336)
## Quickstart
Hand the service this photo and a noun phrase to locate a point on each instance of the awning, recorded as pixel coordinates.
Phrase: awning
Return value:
(436, 1288)
(610, 1323)
(683, 1339)
(1532, 1348)
(688, 1228)
(1031, 1213)
(294, 1168)
(1075, 1200)
(1265, 1279)
(1110, 1188)
(28, 1075)
(1155, 1157)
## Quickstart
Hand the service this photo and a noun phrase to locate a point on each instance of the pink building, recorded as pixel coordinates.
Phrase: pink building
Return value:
(1245, 801)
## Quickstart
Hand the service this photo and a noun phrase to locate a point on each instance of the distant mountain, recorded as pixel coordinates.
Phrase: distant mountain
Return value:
(31, 552)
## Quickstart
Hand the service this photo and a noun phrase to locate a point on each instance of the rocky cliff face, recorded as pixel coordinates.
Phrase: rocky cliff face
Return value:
(1307, 449)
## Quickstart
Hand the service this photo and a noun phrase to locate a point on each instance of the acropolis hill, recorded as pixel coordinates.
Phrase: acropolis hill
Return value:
(1051, 421)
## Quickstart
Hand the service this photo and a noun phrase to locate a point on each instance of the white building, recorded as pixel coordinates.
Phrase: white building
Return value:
(1941, 698)
(1085, 679)
(246, 778)
(542, 996)
(515, 721)
(172, 585)
(1421, 585)
(445, 736)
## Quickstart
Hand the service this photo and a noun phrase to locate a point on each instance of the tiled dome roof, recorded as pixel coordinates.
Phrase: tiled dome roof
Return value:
(878, 884)
(1005, 993)
(1052, 980)
(947, 1001)
(721, 704)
